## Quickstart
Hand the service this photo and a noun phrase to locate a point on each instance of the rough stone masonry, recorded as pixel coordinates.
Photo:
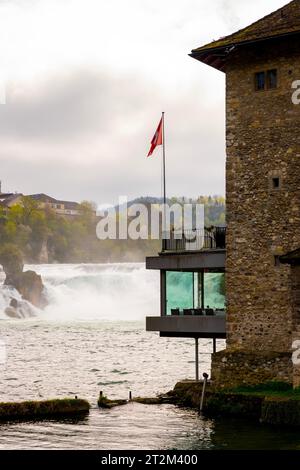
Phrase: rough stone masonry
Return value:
(263, 197)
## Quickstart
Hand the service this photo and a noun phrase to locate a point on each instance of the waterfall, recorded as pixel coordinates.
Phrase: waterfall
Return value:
(108, 292)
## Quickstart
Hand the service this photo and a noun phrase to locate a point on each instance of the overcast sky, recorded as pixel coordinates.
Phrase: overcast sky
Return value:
(86, 81)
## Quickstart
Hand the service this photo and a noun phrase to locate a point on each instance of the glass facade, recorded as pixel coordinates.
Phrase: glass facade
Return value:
(180, 290)
(192, 290)
(214, 290)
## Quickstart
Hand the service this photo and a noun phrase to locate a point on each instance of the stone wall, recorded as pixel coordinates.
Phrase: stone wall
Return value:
(296, 376)
(295, 283)
(232, 369)
(263, 222)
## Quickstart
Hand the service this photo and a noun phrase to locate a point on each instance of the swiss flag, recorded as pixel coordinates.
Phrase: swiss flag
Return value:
(157, 139)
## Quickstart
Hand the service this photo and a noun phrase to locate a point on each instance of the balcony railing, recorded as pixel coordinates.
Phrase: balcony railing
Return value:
(198, 312)
(213, 238)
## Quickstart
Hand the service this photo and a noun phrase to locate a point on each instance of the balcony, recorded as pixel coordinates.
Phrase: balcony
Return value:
(192, 250)
(193, 326)
(206, 239)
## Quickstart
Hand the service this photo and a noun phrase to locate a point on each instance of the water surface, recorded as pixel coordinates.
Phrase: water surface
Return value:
(92, 337)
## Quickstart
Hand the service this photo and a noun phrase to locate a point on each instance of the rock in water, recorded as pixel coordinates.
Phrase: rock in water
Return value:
(29, 284)
(19, 309)
(12, 311)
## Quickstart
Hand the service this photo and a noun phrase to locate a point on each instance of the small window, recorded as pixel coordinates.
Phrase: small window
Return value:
(276, 182)
(260, 81)
(271, 79)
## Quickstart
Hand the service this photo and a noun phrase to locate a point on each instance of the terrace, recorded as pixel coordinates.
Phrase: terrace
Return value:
(192, 286)
(213, 238)
(192, 304)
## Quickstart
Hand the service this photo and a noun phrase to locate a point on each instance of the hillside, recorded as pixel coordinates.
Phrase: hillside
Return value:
(43, 236)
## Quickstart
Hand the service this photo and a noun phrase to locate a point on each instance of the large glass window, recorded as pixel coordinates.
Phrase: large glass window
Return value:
(180, 290)
(214, 290)
(184, 291)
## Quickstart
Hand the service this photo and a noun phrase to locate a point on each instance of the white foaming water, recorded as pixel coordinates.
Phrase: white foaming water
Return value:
(25, 309)
(108, 292)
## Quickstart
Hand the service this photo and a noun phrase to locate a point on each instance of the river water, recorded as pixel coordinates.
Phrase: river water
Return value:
(92, 337)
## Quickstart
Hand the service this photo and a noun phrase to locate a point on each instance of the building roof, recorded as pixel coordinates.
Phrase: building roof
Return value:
(70, 205)
(4, 196)
(282, 22)
(42, 197)
(8, 198)
(291, 258)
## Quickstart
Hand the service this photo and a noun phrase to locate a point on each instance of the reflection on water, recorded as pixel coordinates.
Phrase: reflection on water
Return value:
(131, 427)
(49, 359)
(56, 360)
(136, 427)
(53, 359)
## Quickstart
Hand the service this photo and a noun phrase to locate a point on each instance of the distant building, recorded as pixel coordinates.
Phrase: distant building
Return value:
(64, 208)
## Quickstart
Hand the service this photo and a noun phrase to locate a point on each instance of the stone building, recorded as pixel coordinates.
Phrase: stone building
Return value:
(262, 64)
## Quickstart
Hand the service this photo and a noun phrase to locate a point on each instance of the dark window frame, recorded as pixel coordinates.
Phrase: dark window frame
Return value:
(257, 77)
(272, 79)
(266, 80)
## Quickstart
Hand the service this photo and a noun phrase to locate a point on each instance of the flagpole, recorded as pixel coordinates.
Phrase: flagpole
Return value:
(164, 228)
(164, 159)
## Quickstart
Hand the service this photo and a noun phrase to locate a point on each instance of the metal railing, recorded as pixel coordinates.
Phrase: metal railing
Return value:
(213, 238)
(196, 312)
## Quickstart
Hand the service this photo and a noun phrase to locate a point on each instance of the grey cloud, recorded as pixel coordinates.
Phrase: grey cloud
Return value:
(85, 135)
(74, 104)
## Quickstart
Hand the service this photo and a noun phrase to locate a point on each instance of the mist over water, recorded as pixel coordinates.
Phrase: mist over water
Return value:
(96, 292)
(106, 292)
(109, 292)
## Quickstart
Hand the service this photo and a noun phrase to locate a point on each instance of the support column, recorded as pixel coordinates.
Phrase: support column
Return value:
(197, 358)
(163, 294)
(214, 345)
(200, 293)
(202, 290)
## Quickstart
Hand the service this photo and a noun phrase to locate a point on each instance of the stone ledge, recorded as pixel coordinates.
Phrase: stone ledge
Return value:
(35, 410)
(279, 409)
